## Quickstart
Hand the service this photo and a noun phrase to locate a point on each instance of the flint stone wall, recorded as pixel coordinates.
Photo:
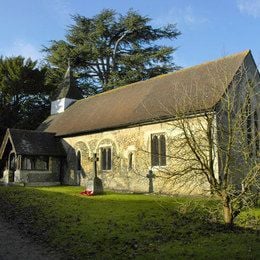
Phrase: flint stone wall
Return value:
(136, 140)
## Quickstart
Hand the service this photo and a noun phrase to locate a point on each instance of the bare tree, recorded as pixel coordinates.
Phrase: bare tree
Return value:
(217, 149)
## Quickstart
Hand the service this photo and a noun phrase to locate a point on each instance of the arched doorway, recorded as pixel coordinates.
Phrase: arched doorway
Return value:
(81, 163)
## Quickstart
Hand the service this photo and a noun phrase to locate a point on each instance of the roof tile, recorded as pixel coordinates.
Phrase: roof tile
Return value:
(187, 90)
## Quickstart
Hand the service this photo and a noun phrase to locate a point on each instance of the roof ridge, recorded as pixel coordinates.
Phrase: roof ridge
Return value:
(245, 53)
(197, 88)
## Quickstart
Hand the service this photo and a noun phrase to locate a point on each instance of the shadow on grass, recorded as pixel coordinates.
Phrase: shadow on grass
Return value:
(122, 225)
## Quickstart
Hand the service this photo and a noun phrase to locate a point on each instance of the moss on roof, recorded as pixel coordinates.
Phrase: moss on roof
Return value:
(188, 90)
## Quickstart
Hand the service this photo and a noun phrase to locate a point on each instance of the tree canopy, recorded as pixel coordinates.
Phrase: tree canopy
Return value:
(111, 50)
(23, 93)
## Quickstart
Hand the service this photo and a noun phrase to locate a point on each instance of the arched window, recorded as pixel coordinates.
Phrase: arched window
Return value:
(130, 161)
(79, 167)
(106, 158)
(154, 151)
(158, 150)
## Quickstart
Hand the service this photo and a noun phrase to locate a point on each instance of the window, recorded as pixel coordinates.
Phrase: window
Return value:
(130, 161)
(158, 150)
(28, 163)
(106, 158)
(40, 163)
(79, 167)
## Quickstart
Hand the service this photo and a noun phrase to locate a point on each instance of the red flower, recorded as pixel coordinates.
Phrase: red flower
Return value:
(87, 193)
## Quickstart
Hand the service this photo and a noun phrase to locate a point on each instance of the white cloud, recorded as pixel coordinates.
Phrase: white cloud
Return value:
(250, 7)
(184, 15)
(23, 48)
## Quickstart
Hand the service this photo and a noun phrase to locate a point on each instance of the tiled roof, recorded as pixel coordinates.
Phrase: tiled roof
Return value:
(28, 142)
(197, 88)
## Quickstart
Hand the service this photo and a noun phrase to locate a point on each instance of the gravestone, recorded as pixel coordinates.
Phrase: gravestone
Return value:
(95, 186)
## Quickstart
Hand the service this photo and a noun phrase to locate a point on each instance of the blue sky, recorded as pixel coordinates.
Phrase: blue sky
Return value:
(210, 28)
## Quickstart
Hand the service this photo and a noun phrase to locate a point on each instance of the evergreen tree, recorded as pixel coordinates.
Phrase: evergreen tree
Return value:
(111, 50)
(23, 93)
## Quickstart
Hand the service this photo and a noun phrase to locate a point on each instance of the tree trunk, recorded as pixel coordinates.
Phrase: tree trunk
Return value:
(227, 211)
(228, 218)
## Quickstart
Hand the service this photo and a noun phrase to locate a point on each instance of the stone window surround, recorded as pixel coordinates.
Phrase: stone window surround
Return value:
(132, 154)
(158, 134)
(79, 160)
(100, 156)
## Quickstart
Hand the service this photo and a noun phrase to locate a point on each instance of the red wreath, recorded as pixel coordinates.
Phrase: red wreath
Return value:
(87, 193)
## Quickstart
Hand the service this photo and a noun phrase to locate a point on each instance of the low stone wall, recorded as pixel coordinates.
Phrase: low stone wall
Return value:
(38, 176)
(43, 177)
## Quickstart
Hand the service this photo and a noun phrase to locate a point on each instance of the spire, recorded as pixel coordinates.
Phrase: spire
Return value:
(69, 73)
(68, 87)
(67, 92)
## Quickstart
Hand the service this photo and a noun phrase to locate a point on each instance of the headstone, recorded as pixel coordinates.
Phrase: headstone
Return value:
(150, 176)
(98, 186)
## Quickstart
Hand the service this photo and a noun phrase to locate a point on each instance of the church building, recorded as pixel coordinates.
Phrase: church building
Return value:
(129, 132)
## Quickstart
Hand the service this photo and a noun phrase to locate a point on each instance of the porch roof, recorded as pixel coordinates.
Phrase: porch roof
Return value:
(26, 142)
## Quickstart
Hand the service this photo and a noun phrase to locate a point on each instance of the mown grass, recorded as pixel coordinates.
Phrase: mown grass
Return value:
(117, 226)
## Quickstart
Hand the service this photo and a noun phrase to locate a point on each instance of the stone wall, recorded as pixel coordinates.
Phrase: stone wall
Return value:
(235, 121)
(135, 140)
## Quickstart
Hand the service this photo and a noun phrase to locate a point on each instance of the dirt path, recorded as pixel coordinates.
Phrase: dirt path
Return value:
(14, 246)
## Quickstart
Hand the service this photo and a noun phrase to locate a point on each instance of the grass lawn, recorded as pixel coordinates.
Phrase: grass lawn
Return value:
(114, 226)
